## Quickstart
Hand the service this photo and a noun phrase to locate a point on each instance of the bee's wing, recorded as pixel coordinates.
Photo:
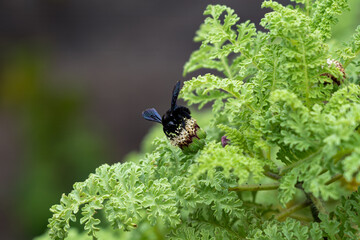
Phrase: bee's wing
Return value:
(151, 115)
(175, 95)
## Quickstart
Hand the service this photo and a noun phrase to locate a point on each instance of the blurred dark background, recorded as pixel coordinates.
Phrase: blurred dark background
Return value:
(74, 79)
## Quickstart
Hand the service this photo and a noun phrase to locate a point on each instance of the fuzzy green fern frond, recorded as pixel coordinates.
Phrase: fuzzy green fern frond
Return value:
(213, 35)
(314, 180)
(123, 193)
(288, 122)
(236, 137)
(325, 14)
(214, 155)
(290, 229)
(314, 139)
(219, 40)
(204, 89)
(352, 49)
(301, 49)
(344, 222)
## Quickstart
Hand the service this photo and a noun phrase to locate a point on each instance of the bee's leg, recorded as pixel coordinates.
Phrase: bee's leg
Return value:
(167, 134)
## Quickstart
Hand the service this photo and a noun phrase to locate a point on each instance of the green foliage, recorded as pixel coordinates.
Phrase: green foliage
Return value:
(344, 222)
(325, 14)
(290, 229)
(214, 155)
(144, 232)
(350, 53)
(300, 50)
(275, 98)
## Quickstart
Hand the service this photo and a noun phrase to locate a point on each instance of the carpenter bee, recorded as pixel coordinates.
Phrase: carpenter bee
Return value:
(178, 125)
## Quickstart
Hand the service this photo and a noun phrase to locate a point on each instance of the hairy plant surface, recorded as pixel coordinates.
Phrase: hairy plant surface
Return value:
(288, 99)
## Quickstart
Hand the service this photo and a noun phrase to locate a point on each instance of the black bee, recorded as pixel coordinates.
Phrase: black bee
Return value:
(177, 123)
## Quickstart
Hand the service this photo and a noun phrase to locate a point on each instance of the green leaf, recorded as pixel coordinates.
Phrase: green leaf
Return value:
(325, 14)
(214, 155)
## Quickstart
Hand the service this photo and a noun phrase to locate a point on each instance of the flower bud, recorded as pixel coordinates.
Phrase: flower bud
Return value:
(224, 141)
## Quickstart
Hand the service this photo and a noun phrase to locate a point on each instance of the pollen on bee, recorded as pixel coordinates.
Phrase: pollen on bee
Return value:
(185, 136)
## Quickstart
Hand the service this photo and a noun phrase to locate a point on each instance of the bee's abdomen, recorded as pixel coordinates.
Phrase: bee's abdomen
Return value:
(184, 137)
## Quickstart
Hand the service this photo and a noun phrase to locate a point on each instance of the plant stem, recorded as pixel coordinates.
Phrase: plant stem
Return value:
(292, 209)
(272, 175)
(321, 208)
(250, 107)
(334, 179)
(256, 187)
(318, 204)
(273, 77)
(342, 154)
(306, 77)
(226, 67)
(301, 218)
(307, 7)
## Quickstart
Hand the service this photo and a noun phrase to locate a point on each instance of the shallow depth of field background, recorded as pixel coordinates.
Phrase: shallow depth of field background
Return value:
(74, 79)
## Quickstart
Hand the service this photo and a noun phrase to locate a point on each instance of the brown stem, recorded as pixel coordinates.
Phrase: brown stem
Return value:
(272, 175)
(292, 209)
(301, 218)
(334, 179)
(256, 187)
